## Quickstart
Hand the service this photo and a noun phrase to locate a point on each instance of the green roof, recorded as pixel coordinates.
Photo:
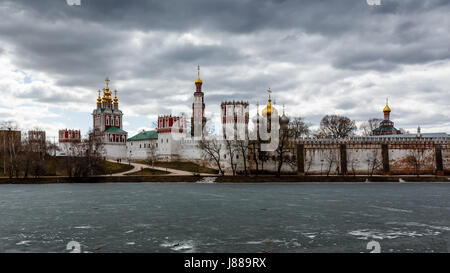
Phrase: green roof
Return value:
(145, 135)
(385, 129)
(114, 130)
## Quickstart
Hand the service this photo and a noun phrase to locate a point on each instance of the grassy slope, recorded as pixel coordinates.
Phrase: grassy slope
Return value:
(55, 166)
(113, 167)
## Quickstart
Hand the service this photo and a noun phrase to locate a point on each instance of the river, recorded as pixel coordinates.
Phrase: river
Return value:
(193, 217)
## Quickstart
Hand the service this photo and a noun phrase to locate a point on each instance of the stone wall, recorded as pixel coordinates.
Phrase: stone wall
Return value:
(372, 155)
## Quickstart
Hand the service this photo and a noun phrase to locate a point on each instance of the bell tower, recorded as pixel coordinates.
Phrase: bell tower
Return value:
(198, 119)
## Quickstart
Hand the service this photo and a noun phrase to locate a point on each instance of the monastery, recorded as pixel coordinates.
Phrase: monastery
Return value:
(386, 152)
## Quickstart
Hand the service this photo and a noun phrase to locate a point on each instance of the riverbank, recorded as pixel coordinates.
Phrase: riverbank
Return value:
(222, 179)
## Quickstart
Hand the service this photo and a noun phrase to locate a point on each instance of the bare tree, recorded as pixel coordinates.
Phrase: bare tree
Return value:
(353, 161)
(254, 147)
(373, 162)
(282, 151)
(331, 159)
(263, 157)
(367, 127)
(416, 157)
(211, 149)
(86, 158)
(298, 128)
(334, 126)
(74, 151)
(242, 147)
(231, 149)
(10, 143)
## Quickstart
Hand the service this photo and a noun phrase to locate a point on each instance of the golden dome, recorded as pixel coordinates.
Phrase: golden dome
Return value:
(269, 110)
(386, 108)
(198, 81)
(99, 100)
(116, 100)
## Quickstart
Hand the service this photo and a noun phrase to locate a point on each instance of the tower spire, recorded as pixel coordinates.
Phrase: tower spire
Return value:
(99, 100)
(198, 82)
(387, 110)
(107, 80)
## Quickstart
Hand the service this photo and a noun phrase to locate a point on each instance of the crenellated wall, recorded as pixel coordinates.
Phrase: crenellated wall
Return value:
(374, 155)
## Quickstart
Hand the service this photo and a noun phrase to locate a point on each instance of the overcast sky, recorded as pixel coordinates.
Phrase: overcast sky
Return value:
(319, 57)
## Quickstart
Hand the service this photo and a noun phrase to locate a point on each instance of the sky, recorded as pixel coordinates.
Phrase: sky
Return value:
(318, 57)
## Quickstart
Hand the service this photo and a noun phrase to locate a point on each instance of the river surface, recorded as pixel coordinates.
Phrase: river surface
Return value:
(193, 217)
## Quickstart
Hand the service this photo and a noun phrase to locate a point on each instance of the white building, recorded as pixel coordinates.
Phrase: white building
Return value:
(107, 120)
(143, 145)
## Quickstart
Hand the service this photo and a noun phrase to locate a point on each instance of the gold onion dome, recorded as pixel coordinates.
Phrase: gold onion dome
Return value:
(104, 98)
(116, 100)
(386, 108)
(99, 99)
(198, 81)
(269, 110)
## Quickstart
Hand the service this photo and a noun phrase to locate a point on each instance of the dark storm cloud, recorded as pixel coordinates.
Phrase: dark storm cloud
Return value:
(80, 43)
(254, 45)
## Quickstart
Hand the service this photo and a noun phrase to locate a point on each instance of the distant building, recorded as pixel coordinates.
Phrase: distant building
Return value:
(108, 125)
(37, 136)
(235, 117)
(38, 141)
(66, 139)
(10, 139)
(386, 126)
(143, 145)
(69, 136)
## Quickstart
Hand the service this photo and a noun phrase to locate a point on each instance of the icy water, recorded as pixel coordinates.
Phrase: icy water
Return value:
(184, 217)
